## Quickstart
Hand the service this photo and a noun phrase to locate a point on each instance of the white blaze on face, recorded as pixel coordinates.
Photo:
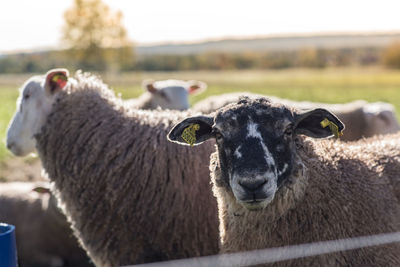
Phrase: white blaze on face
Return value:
(271, 175)
(285, 166)
(237, 153)
(33, 107)
(253, 132)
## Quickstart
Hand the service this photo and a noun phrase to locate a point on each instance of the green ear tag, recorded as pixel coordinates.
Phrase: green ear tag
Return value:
(332, 126)
(189, 134)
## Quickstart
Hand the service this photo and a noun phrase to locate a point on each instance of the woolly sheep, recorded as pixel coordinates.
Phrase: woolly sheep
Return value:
(276, 187)
(128, 193)
(175, 95)
(43, 235)
(167, 94)
(362, 119)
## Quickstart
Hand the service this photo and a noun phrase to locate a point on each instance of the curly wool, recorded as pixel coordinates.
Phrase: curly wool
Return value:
(130, 195)
(337, 191)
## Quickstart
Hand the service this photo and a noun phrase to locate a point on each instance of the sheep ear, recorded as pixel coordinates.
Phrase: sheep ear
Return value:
(194, 130)
(148, 85)
(196, 87)
(56, 80)
(318, 123)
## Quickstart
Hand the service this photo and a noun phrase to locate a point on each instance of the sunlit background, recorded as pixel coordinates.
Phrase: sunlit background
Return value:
(26, 25)
(309, 50)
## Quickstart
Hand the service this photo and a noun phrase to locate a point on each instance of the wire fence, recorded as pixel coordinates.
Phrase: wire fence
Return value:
(272, 255)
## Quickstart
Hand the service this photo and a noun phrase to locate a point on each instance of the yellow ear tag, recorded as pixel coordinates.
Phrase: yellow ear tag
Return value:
(60, 79)
(57, 77)
(332, 126)
(189, 134)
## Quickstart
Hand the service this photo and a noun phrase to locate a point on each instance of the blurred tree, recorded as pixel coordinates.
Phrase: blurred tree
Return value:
(246, 60)
(96, 37)
(391, 56)
(310, 58)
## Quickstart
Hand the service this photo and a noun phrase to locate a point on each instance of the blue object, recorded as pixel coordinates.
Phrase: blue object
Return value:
(8, 251)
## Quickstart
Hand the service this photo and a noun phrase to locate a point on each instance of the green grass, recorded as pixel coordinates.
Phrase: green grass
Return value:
(327, 85)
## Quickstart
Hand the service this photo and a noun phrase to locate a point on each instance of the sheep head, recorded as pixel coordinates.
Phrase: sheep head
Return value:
(34, 104)
(255, 144)
(172, 94)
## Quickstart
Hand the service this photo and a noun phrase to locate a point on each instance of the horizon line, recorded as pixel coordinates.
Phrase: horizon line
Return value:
(222, 38)
(269, 35)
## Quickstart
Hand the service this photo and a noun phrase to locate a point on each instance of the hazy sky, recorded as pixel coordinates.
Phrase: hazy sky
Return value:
(26, 24)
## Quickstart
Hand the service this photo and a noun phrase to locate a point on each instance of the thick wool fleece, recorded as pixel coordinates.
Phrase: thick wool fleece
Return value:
(131, 195)
(337, 190)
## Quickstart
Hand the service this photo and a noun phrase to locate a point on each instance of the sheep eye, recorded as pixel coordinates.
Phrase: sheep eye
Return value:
(26, 96)
(288, 131)
(217, 134)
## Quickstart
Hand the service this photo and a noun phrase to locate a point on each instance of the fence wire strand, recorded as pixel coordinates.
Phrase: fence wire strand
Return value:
(272, 255)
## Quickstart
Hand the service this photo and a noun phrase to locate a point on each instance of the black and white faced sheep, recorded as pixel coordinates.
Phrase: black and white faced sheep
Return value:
(167, 94)
(43, 235)
(276, 187)
(363, 119)
(130, 195)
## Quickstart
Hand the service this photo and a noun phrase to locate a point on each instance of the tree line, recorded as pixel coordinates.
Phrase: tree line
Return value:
(95, 39)
(124, 59)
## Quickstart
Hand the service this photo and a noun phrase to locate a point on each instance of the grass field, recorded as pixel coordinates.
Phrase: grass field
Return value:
(328, 85)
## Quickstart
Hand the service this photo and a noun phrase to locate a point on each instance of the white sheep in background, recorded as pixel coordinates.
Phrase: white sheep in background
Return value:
(167, 94)
(380, 118)
(44, 237)
(275, 187)
(362, 119)
(127, 192)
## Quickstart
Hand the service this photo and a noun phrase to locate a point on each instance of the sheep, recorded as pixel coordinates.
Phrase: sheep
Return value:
(43, 235)
(178, 95)
(167, 94)
(363, 119)
(276, 186)
(127, 194)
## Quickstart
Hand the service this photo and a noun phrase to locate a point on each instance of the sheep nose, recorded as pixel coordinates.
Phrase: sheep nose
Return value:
(10, 145)
(252, 184)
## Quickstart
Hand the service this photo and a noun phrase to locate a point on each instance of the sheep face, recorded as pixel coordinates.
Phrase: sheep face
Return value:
(172, 94)
(34, 104)
(255, 144)
(172, 97)
(255, 152)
